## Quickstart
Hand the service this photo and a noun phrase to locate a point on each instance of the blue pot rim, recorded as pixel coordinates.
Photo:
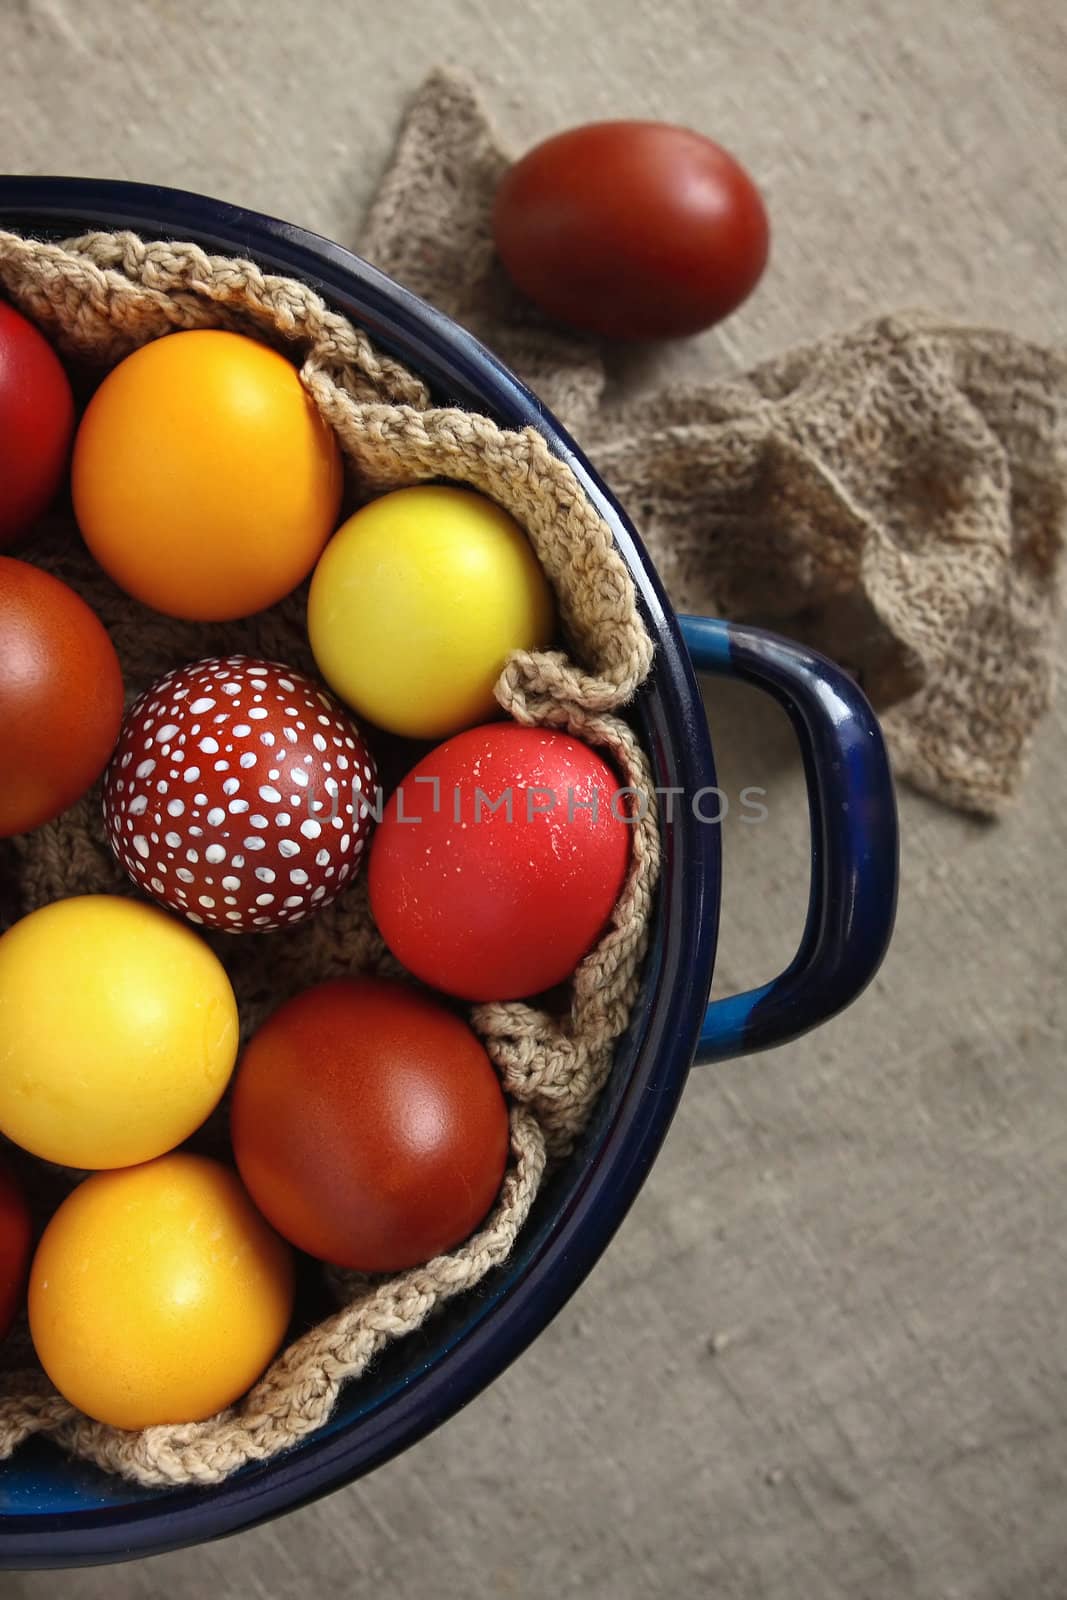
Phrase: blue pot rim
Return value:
(667, 1023)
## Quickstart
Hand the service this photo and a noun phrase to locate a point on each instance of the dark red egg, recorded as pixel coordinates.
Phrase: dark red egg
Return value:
(15, 1234)
(368, 1124)
(36, 423)
(60, 697)
(240, 795)
(499, 859)
(632, 230)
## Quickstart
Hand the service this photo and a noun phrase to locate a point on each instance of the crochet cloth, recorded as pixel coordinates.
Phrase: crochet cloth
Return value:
(894, 496)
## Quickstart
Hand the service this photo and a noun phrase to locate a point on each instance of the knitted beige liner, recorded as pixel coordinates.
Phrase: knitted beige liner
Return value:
(100, 297)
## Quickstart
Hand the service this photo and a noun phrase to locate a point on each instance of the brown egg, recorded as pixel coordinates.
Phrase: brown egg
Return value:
(16, 1233)
(60, 697)
(632, 230)
(369, 1125)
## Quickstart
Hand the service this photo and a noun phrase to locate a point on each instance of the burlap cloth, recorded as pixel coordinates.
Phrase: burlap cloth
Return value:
(99, 297)
(895, 497)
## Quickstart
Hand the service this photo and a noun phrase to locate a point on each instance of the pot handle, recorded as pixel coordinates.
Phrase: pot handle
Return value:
(854, 845)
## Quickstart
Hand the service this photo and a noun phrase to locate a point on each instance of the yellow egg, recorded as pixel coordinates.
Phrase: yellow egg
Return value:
(204, 480)
(159, 1293)
(417, 603)
(118, 1032)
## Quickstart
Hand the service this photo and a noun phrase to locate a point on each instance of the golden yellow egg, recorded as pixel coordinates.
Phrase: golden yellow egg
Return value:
(158, 1294)
(118, 1032)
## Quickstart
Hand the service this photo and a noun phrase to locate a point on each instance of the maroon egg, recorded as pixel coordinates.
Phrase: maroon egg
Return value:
(236, 795)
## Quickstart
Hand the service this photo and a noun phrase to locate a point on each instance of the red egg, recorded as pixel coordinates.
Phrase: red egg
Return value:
(15, 1234)
(368, 1125)
(499, 859)
(632, 230)
(36, 423)
(60, 697)
(240, 795)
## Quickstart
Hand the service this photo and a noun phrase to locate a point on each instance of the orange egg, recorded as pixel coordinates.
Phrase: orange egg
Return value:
(158, 1293)
(205, 482)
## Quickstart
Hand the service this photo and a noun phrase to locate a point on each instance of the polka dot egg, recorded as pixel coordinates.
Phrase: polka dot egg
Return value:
(240, 795)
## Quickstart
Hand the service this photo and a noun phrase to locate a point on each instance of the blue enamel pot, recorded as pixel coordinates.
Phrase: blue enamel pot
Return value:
(55, 1512)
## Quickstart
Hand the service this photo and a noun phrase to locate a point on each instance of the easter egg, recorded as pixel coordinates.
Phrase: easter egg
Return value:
(498, 861)
(158, 1294)
(36, 423)
(15, 1235)
(240, 795)
(369, 1125)
(416, 605)
(631, 230)
(60, 697)
(205, 482)
(118, 1032)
